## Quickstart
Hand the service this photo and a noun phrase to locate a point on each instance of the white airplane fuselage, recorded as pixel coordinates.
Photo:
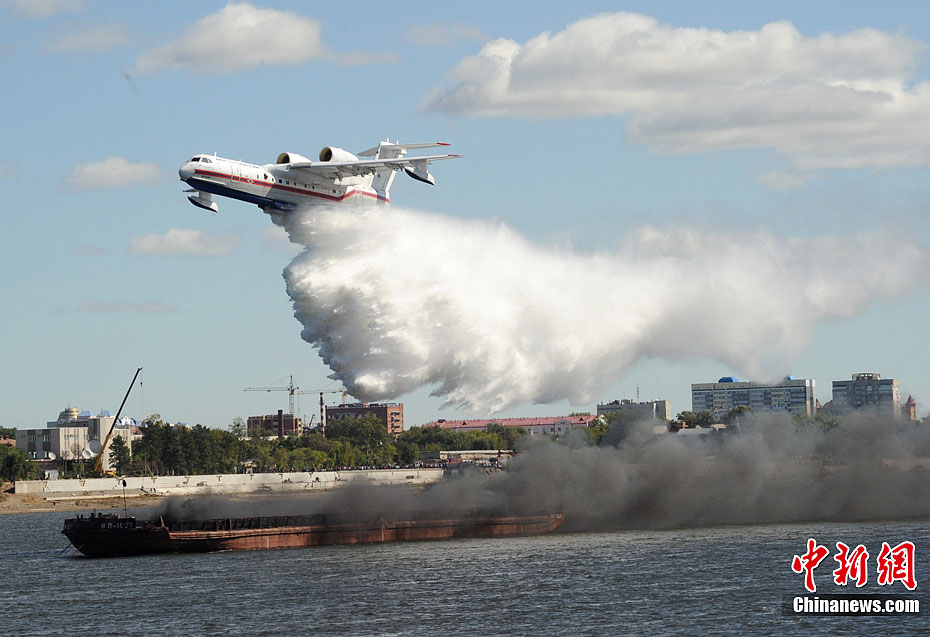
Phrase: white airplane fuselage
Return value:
(272, 187)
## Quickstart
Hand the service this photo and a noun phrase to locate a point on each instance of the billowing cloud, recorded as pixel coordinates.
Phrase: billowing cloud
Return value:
(839, 101)
(443, 34)
(241, 36)
(44, 8)
(112, 172)
(186, 242)
(98, 37)
(96, 306)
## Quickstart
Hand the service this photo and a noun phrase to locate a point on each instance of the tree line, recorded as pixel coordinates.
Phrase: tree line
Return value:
(349, 443)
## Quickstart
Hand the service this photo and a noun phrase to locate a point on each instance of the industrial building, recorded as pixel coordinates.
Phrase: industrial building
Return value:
(543, 426)
(652, 409)
(390, 414)
(792, 396)
(867, 390)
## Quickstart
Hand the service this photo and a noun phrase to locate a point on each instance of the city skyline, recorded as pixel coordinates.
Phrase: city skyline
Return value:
(754, 237)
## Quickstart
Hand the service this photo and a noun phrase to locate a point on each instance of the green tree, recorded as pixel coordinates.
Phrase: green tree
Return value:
(238, 428)
(696, 418)
(119, 455)
(735, 415)
(15, 464)
(407, 452)
(597, 429)
(360, 431)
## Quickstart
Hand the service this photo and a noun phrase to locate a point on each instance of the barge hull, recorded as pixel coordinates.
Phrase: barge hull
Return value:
(131, 540)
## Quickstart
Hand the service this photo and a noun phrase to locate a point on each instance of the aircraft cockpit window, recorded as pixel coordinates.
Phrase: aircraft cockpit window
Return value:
(194, 159)
(205, 160)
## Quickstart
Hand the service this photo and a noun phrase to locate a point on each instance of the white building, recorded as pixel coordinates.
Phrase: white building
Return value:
(792, 395)
(76, 436)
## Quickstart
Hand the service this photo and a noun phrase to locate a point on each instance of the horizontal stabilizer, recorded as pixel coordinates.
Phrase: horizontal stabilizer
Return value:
(394, 150)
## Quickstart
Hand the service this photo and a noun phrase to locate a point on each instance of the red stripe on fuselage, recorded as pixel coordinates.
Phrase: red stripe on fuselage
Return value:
(297, 191)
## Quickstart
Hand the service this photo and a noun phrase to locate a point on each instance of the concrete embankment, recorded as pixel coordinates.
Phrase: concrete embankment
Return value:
(62, 490)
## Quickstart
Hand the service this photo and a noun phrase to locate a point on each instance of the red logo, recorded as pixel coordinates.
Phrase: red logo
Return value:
(894, 564)
(808, 562)
(851, 565)
(897, 565)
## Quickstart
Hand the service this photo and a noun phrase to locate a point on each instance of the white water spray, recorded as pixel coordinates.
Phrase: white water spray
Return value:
(397, 299)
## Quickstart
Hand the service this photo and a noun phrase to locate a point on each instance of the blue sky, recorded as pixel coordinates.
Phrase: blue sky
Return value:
(811, 132)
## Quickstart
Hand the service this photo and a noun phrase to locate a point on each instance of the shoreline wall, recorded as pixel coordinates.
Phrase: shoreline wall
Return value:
(223, 483)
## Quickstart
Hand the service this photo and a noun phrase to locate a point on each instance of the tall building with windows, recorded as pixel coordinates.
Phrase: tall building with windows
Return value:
(650, 409)
(868, 390)
(792, 395)
(391, 415)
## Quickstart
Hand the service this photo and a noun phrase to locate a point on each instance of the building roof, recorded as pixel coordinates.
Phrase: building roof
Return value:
(544, 421)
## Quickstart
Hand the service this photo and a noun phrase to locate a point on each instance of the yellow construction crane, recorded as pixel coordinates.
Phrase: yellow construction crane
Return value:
(341, 390)
(291, 390)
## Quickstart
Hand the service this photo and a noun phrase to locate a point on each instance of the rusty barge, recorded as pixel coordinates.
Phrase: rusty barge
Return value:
(110, 535)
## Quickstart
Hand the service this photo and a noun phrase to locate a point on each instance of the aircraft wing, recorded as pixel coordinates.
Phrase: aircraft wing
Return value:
(414, 166)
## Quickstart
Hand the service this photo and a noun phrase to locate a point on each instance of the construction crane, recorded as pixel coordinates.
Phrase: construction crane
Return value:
(341, 390)
(291, 390)
(98, 463)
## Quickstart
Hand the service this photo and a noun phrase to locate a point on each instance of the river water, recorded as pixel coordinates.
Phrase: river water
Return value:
(707, 580)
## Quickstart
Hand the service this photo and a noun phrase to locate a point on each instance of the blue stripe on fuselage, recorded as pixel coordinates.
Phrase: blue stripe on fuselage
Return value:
(225, 191)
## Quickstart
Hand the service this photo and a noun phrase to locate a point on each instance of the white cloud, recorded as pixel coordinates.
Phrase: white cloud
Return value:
(96, 306)
(238, 36)
(44, 8)
(98, 37)
(783, 181)
(443, 34)
(840, 101)
(112, 172)
(185, 242)
(241, 36)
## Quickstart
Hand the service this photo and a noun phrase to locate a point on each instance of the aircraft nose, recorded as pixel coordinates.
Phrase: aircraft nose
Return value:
(186, 171)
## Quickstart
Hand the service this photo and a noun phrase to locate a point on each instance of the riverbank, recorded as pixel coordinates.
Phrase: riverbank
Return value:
(33, 496)
(31, 503)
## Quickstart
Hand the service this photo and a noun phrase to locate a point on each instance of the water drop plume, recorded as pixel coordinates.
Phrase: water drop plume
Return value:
(398, 299)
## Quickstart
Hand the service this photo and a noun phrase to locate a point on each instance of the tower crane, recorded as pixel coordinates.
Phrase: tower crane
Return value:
(291, 390)
(341, 390)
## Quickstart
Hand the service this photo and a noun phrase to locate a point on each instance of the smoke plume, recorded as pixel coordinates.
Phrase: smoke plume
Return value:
(768, 470)
(396, 300)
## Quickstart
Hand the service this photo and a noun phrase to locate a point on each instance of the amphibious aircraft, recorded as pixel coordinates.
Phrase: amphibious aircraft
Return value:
(294, 181)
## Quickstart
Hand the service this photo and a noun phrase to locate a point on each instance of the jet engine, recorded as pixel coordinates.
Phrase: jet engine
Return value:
(331, 153)
(291, 158)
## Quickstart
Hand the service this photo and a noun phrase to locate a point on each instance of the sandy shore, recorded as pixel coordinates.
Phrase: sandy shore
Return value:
(31, 503)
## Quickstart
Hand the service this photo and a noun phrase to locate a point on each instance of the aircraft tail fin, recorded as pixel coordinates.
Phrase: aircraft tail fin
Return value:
(387, 150)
